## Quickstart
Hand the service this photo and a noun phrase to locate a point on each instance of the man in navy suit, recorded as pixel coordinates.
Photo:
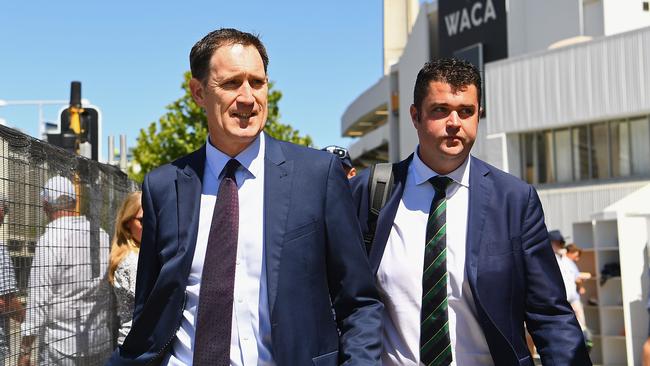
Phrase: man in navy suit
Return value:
(460, 252)
(262, 231)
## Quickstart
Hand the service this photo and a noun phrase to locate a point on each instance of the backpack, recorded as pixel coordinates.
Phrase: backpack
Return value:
(380, 183)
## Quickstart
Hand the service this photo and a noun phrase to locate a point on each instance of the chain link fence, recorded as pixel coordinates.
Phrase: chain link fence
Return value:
(57, 213)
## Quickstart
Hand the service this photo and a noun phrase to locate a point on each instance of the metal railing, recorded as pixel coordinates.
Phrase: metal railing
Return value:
(58, 212)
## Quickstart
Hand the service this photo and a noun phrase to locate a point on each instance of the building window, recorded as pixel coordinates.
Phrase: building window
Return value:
(563, 155)
(545, 156)
(596, 151)
(599, 151)
(646, 6)
(619, 132)
(528, 169)
(580, 148)
(640, 141)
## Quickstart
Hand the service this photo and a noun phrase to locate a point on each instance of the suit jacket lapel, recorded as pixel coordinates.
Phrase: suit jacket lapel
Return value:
(277, 190)
(479, 197)
(188, 200)
(388, 212)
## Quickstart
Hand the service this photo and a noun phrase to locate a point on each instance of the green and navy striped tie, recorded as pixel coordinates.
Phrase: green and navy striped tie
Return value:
(435, 344)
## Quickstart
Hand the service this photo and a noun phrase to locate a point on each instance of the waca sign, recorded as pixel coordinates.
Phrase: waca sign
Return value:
(464, 19)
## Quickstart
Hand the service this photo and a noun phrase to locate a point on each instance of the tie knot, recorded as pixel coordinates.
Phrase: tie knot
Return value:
(230, 169)
(440, 183)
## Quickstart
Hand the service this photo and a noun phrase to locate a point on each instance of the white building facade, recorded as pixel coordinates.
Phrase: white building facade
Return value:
(573, 118)
(567, 99)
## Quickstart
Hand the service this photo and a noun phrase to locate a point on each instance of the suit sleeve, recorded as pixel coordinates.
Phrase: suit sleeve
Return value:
(359, 188)
(148, 265)
(549, 317)
(352, 289)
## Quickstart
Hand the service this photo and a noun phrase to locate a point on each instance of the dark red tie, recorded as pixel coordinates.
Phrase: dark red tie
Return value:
(214, 319)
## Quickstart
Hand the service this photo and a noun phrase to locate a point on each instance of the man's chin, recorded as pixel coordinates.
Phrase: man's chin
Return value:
(452, 150)
(247, 134)
(454, 154)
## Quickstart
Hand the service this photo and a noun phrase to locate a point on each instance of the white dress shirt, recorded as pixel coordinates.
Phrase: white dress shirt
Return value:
(570, 274)
(65, 297)
(400, 273)
(250, 342)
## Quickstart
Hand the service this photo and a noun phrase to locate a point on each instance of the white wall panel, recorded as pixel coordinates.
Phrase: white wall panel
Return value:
(598, 80)
(564, 206)
(624, 15)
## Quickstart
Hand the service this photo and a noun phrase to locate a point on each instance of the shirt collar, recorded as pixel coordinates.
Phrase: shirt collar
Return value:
(423, 173)
(251, 158)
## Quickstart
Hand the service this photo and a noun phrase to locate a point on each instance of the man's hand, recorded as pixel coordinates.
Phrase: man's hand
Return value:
(26, 351)
(10, 305)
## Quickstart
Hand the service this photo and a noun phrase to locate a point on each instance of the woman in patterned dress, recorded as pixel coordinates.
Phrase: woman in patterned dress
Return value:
(124, 259)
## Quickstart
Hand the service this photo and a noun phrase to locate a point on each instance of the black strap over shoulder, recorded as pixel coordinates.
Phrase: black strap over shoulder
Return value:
(380, 185)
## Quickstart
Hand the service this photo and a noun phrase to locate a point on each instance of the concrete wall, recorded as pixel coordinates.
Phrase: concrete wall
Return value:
(624, 15)
(534, 25)
(416, 53)
(399, 16)
(393, 118)
(370, 141)
(593, 18)
(371, 99)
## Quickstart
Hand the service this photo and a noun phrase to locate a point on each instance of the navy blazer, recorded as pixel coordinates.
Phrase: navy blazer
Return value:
(510, 265)
(314, 256)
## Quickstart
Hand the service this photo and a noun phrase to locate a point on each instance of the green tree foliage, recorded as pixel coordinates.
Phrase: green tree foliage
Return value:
(184, 128)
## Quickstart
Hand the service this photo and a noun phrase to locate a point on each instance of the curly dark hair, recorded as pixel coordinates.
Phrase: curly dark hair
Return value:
(457, 73)
(204, 49)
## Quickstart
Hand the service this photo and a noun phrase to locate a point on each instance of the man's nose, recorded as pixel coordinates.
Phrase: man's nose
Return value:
(453, 120)
(245, 94)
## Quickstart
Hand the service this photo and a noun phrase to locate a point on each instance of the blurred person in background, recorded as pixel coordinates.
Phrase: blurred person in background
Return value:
(566, 268)
(570, 277)
(65, 304)
(344, 156)
(572, 256)
(570, 272)
(645, 359)
(123, 263)
(10, 306)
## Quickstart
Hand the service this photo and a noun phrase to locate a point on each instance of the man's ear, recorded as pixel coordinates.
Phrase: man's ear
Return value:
(415, 115)
(197, 90)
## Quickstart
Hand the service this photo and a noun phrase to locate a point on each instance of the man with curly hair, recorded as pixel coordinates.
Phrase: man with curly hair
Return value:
(461, 253)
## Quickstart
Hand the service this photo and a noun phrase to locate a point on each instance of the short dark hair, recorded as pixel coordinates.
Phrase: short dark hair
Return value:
(457, 73)
(573, 248)
(204, 49)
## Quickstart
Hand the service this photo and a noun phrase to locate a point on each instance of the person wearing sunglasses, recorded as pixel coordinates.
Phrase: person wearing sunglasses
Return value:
(344, 156)
(123, 263)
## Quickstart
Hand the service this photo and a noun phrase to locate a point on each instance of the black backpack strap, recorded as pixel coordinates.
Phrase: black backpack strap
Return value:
(380, 185)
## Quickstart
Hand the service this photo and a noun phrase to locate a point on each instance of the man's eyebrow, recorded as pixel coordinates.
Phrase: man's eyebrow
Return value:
(445, 104)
